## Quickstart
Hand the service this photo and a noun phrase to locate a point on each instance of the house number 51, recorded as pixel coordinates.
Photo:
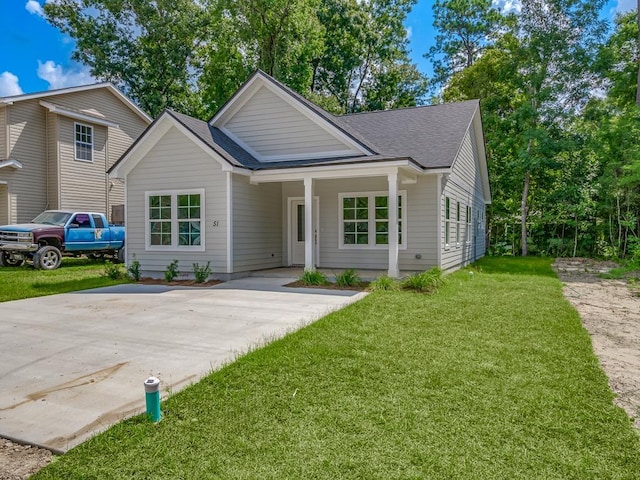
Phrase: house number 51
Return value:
(216, 223)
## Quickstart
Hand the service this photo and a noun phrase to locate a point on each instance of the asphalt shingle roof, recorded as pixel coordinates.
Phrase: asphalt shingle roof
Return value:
(429, 136)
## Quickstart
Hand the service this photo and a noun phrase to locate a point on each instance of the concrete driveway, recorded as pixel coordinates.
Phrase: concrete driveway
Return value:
(73, 364)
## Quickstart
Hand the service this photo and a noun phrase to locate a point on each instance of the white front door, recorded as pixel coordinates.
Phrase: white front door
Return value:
(296, 231)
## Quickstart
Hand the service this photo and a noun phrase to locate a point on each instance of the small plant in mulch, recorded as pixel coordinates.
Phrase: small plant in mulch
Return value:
(134, 269)
(384, 283)
(313, 277)
(113, 271)
(425, 282)
(201, 272)
(172, 271)
(348, 278)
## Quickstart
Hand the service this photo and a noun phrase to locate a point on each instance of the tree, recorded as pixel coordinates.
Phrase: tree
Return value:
(465, 28)
(145, 48)
(365, 63)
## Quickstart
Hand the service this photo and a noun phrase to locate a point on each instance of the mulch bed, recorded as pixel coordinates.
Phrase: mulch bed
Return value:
(178, 283)
(360, 287)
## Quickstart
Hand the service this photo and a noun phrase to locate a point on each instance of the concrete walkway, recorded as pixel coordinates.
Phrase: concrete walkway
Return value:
(74, 364)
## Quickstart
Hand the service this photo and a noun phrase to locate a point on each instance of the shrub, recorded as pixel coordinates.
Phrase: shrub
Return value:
(424, 282)
(348, 278)
(134, 269)
(313, 277)
(201, 273)
(113, 271)
(383, 283)
(172, 271)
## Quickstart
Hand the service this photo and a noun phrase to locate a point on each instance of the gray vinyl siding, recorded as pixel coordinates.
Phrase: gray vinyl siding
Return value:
(3, 133)
(4, 204)
(82, 184)
(104, 104)
(177, 163)
(464, 185)
(420, 216)
(27, 144)
(53, 161)
(257, 225)
(272, 127)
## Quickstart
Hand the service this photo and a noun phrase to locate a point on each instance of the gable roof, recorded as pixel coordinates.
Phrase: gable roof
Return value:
(429, 137)
(82, 88)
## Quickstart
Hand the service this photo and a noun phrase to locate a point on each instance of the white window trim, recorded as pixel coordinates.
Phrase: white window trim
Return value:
(174, 247)
(458, 222)
(447, 223)
(75, 142)
(469, 219)
(371, 219)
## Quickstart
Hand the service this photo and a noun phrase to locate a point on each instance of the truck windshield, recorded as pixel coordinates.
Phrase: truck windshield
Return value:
(52, 218)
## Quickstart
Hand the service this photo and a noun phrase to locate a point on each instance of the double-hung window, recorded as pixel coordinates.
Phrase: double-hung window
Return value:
(83, 142)
(447, 221)
(174, 220)
(364, 220)
(469, 225)
(458, 222)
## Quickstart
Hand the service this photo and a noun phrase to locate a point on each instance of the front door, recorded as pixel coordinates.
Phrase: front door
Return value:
(297, 234)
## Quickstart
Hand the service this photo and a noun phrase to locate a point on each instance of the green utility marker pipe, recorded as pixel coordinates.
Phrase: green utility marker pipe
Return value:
(152, 395)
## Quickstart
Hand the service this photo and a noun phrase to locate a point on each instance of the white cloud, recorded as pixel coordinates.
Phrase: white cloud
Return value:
(59, 77)
(409, 33)
(9, 85)
(624, 6)
(34, 7)
(508, 6)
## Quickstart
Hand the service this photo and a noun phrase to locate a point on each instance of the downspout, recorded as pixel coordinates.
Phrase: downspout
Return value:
(439, 221)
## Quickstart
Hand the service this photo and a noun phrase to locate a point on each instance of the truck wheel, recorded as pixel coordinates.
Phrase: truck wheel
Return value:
(47, 258)
(7, 261)
(120, 255)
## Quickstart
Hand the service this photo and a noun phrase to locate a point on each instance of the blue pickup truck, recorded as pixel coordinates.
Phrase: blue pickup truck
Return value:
(55, 233)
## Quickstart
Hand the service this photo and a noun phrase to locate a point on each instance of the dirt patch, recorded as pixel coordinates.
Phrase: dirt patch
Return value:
(17, 462)
(610, 311)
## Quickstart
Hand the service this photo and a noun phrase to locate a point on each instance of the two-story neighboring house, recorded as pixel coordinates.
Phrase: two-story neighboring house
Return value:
(56, 146)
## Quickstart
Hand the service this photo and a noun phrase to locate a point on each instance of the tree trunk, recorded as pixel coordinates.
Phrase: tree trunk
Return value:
(525, 195)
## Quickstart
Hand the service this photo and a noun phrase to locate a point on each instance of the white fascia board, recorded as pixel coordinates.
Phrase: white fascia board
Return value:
(154, 135)
(11, 163)
(59, 110)
(334, 171)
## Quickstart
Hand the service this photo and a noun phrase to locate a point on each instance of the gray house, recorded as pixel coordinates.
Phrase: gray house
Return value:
(56, 147)
(273, 180)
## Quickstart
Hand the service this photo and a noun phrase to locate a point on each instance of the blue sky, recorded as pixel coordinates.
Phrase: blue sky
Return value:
(37, 57)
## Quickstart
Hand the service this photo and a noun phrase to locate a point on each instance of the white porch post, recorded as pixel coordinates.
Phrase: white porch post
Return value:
(309, 237)
(394, 271)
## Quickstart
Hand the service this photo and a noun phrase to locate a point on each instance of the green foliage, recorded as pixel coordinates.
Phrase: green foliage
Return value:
(134, 269)
(396, 385)
(313, 277)
(201, 273)
(348, 278)
(113, 271)
(74, 274)
(172, 271)
(426, 282)
(383, 283)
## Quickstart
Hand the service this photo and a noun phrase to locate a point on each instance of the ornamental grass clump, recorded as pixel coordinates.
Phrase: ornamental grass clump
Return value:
(201, 273)
(348, 278)
(383, 283)
(313, 278)
(425, 282)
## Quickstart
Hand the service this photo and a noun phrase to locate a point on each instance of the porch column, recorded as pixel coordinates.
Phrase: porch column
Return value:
(394, 271)
(309, 236)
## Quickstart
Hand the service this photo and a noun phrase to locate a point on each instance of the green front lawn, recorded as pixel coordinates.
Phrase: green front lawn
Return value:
(74, 274)
(492, 377)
